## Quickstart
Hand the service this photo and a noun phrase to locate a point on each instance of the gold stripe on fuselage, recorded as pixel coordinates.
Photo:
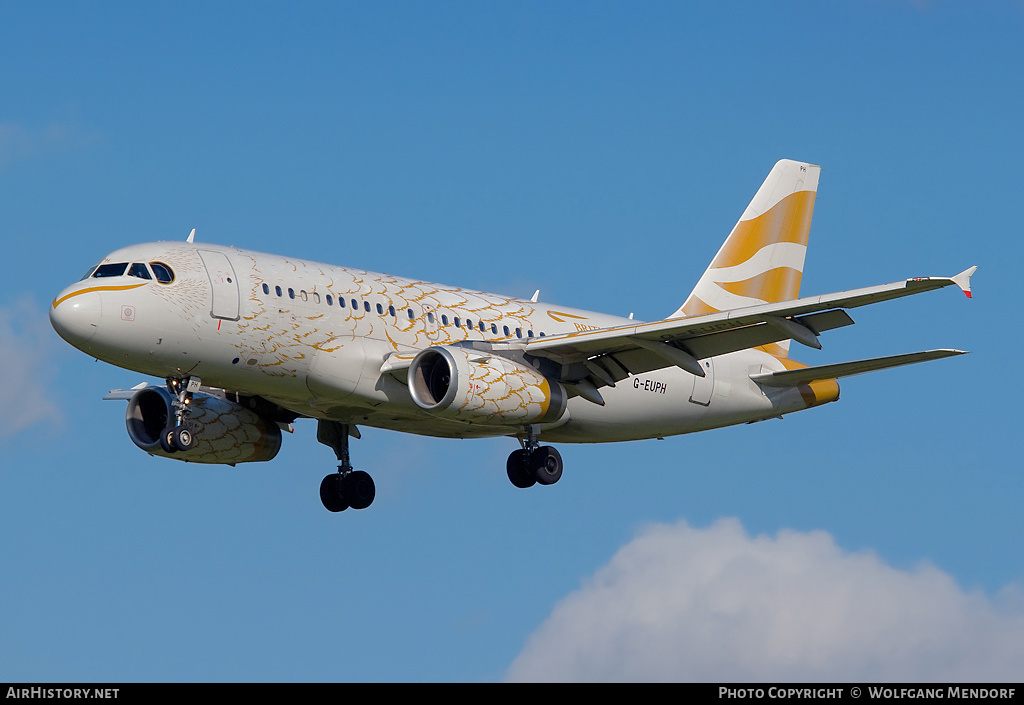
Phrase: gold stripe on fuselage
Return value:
(58, 302)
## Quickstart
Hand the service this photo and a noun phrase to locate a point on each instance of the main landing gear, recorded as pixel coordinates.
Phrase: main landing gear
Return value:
(534, 463)
(177, 435)
(347, 487)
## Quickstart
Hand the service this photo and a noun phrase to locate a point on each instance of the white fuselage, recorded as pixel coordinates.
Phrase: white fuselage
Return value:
(313, 338)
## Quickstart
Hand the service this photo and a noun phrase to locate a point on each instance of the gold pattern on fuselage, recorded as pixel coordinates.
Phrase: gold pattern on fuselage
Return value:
(278, 335)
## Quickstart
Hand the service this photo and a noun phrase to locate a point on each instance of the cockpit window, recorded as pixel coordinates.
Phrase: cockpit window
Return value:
(138, 269)
(89, 272)
(110, 270)
(162, 272)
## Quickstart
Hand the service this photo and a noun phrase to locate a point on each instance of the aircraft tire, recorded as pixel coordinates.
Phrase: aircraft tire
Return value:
(518, 470)
(546, 463)
(358, 489)
(182, 438)
(331, 495)
(166, 440)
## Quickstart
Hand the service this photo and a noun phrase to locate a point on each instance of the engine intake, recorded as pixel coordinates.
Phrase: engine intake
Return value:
(466, 385)
(224, 431)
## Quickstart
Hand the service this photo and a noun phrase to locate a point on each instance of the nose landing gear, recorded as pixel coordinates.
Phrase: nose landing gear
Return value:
(178, 436)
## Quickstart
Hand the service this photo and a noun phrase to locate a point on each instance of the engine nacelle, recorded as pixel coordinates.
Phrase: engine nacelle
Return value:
(224, 432)
(476, 387)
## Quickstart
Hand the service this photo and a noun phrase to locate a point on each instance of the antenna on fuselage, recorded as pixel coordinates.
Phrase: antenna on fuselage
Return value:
(191, 236)
(535, 295)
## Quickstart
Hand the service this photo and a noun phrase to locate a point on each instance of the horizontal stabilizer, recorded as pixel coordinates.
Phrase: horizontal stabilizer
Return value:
(792, 378)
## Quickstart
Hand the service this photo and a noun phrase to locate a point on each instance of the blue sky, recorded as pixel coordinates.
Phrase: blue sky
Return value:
(599, 152)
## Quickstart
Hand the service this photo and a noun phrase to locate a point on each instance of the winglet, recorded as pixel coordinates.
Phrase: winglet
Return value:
(963, 280)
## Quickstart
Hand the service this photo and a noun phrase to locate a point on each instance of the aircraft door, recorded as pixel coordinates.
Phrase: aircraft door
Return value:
(703, 386)
(430, 322)
(223, 285)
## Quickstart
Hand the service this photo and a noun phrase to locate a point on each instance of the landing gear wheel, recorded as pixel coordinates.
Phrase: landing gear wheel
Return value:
(347, 487)
(358, 489)
(546, 463)
(167, 440)
(519, 470)
(177, 436)
(181, 438)
(331, 494)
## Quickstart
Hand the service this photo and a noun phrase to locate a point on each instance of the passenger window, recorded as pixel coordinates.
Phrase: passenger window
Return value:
(110, 270)
(519, 332)
(411, 317)
(355, 305)
(482, 329)
(366, 306)
(163, 273)
(341, 302)
(279, 292)
(529, 334)
(430, 316)
(469, 323)
(291, 293)
(444, 320)
(494, 329)
(266, 289)
(330, 301)
(391, 310)
(458, 323)
(139, 270)
(505, 328)
(380, 309)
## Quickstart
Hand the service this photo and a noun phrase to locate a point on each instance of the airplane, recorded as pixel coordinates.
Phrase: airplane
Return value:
(246, 343)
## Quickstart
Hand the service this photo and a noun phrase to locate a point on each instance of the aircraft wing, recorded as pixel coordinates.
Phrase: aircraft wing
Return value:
(610, 353)
(124, 394)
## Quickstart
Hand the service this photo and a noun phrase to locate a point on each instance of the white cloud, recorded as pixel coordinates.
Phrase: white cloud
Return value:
(20, 143)
(715, 604)
(26, 342)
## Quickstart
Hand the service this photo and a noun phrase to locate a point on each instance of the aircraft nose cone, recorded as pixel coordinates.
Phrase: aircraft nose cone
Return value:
(76, 317)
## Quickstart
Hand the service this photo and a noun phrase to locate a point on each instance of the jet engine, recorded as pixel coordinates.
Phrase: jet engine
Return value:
(224, 431)
(462, 384)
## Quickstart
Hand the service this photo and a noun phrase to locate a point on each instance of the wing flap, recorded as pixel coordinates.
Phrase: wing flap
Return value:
(758, 334)
(792, 378)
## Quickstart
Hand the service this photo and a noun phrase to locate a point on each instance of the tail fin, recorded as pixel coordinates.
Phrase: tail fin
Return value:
(762, 260)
